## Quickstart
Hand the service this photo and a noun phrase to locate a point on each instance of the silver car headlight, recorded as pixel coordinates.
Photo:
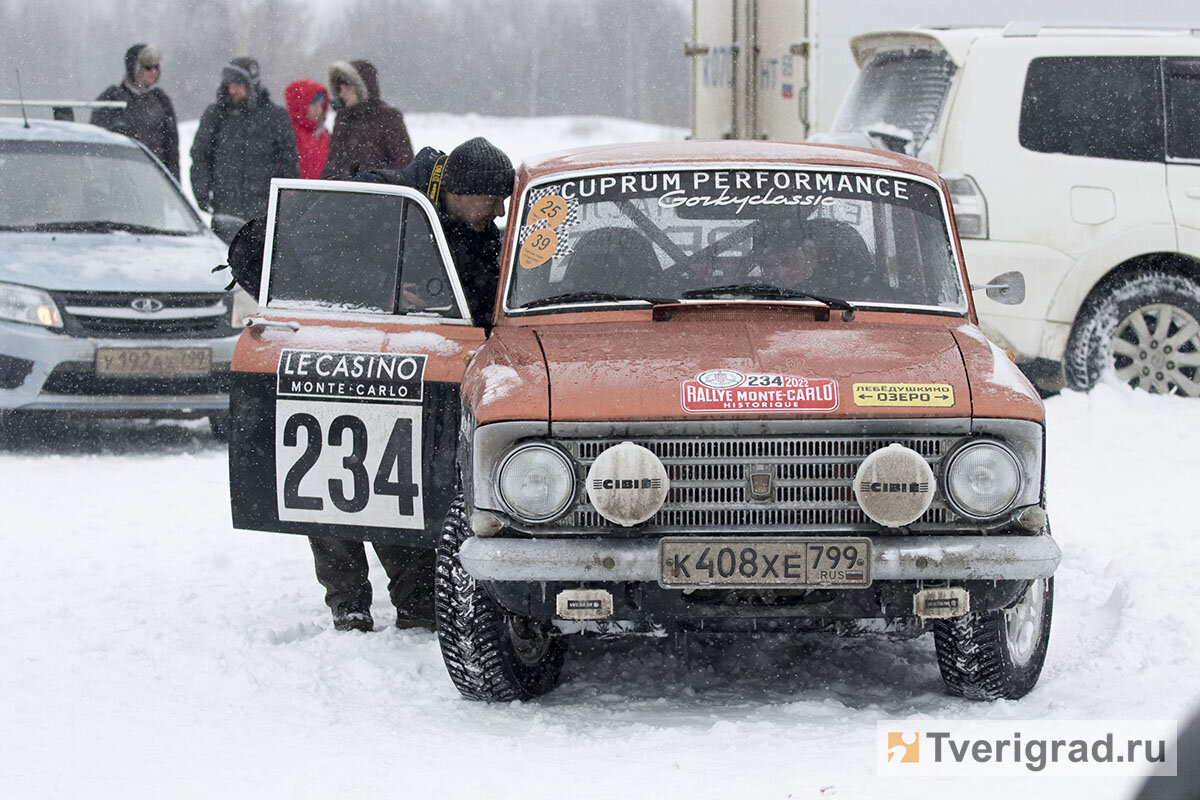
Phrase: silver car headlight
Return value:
(29, 305)
(983, 479)
(243, 306)
(535, 482)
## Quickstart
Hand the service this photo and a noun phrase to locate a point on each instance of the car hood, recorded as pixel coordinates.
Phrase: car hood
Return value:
(112, 262)
(776, 367)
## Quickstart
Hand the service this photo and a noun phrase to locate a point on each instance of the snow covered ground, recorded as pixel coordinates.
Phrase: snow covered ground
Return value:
(151, 650)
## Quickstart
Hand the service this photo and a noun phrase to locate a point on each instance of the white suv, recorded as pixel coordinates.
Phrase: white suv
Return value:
(1073, 156)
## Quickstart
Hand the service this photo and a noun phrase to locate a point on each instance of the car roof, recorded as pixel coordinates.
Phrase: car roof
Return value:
(44, 130)
(723, 153)
(957, 41)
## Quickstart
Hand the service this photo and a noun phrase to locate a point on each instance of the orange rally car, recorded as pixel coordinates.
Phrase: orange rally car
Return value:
(727, 387)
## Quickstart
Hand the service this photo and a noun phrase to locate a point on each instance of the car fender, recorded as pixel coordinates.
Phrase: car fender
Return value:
(1103, 258)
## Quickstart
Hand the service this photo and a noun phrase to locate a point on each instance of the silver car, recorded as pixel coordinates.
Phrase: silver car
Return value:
(108, 302)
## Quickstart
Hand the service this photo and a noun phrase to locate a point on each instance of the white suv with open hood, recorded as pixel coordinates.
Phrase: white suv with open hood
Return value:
(1073, 156)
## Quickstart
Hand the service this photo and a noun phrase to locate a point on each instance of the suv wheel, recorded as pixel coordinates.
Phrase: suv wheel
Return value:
(1146, 327)
(490, 654)
(996, 655)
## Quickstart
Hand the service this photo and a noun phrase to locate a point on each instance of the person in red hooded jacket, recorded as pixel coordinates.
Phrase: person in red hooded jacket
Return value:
(307, 105)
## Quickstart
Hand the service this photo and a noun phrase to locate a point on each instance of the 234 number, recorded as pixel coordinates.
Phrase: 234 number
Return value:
(351, 493)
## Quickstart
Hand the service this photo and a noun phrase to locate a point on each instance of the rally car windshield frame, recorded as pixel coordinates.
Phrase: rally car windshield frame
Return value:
(451, 310)
(723, 234)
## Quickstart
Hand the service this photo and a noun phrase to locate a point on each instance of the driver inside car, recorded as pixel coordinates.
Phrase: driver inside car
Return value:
(820, 255)
(787, 258)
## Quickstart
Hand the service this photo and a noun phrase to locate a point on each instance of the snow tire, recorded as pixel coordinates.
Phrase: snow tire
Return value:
(995, 655)
(1146, 328)
(491, 655)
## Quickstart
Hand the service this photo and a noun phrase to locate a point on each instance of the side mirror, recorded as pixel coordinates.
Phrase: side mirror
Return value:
(1007, 289)
(226, 226)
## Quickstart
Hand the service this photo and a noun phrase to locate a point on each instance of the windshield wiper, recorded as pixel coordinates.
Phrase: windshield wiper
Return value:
(764, 291)
(594, 297)
(98, 226)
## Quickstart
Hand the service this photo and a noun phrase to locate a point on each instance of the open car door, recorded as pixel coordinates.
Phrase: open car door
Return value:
(344, 391)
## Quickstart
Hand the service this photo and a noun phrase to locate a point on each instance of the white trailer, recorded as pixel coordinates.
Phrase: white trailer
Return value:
(753, 69)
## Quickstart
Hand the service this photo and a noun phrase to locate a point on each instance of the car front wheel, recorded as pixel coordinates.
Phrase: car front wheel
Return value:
(1146, 327)
(491, 655)
(995, 655)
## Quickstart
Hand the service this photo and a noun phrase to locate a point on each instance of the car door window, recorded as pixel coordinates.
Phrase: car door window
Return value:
(1183, 107)
(1095, 106)
(357, 248)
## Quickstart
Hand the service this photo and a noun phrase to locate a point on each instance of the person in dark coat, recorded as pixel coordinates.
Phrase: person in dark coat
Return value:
(148, 115)
(243, 141)
(367, 133)
(307, 105)
(468, 188)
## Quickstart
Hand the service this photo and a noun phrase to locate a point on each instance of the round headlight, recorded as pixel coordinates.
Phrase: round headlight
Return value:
(536, 482)
(983, 479)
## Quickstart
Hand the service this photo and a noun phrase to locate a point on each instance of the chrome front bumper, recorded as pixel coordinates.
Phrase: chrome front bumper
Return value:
(892, 558)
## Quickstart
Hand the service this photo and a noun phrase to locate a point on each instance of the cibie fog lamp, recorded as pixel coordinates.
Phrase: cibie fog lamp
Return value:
(535, 482)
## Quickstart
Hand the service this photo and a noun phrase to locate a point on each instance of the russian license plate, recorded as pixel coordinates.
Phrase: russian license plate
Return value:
(764, 562)
(153, 362)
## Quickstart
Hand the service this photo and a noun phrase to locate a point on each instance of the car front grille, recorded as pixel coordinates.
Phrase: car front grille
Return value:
(177, 315)
(80, 379)
(812, 483)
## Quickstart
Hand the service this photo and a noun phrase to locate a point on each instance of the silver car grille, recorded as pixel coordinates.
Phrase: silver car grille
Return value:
(174, 315)
(812, 483)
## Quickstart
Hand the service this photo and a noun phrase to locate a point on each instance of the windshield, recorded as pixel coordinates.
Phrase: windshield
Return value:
(898, 93)
(77, 186)
(862, 238)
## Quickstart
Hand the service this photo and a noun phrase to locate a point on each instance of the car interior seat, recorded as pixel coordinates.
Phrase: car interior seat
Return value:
(612, 259)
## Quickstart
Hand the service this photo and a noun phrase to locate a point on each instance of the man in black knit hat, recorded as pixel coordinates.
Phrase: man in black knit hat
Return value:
(148, 115)
(468, 188)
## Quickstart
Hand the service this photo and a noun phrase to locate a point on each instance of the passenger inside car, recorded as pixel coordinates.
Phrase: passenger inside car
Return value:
(821, 255)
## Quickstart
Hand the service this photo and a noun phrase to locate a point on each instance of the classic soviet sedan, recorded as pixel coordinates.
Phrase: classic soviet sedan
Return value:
(108, 304)
(727, 387)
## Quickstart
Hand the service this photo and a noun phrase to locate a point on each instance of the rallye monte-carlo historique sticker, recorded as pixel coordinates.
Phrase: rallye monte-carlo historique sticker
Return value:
(719, 391)
(348, 438)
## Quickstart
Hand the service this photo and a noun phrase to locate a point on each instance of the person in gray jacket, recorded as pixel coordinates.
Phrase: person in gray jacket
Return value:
(243, 141)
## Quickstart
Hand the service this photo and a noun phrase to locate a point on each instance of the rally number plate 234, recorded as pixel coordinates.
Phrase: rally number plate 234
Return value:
(764, 562)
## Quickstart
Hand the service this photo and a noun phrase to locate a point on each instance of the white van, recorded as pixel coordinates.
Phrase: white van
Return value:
(1073, 156)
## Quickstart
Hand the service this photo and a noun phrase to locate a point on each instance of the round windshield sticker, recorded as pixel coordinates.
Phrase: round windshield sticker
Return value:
(721, 378)
(538, 248)
(551, 208)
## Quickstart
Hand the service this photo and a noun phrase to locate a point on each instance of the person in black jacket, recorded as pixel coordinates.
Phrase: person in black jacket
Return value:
(243, 141)
(468, 188)
(148, 115)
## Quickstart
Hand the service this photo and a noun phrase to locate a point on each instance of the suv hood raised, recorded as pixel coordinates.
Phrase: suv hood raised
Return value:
(652, 370)
(112, 262)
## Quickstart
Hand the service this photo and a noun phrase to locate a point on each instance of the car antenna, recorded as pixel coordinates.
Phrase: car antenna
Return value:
(21, 97)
